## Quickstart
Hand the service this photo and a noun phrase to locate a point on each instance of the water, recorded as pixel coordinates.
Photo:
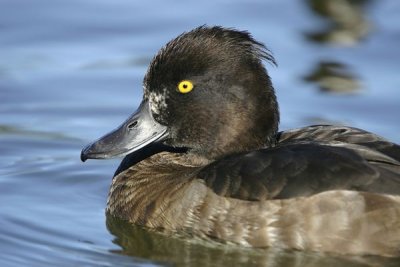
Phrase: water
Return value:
(72, 70)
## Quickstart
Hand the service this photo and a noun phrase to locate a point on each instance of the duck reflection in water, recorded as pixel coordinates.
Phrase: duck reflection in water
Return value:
(346, 21)
(187, 250)
(204, 157)
(346, 25)
(334, 77)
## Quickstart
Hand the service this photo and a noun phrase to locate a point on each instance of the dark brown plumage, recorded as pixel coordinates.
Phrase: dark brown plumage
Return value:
(210, 161)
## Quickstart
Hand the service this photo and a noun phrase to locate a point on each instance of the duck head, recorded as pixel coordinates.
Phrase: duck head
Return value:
(206, 91)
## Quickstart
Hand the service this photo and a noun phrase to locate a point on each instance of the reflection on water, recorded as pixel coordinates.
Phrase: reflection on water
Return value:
(183, 251)
(346, 21)
(346, 25)
(70, 70)
(333, 77)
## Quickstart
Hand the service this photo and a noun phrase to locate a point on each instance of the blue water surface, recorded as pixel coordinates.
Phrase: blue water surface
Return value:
(71, 71)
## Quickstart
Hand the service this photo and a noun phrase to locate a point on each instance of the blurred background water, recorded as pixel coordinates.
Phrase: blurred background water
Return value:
(71, 70)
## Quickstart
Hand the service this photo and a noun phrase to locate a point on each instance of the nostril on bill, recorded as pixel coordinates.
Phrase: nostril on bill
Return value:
(132, 125)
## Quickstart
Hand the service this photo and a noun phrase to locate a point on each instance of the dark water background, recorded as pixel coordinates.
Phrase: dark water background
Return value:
(72, 70)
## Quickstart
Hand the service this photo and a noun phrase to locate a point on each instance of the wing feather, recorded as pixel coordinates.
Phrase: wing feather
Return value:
(308, 161)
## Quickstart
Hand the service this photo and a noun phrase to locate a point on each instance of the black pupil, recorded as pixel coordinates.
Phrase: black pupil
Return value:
(185, 85)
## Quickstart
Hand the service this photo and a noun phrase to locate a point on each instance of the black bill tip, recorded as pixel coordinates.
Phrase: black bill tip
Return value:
(84, 157)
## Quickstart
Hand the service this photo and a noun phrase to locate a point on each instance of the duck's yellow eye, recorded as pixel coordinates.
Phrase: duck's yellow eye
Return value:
(185, 86)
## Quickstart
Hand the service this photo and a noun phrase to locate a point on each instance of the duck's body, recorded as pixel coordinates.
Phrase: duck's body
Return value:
(226, 173)
(231, 199)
